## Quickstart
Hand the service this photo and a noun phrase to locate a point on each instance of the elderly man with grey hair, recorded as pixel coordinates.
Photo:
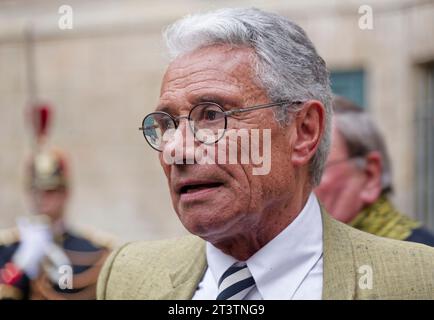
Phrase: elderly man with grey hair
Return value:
(254, 235)
(357, 179)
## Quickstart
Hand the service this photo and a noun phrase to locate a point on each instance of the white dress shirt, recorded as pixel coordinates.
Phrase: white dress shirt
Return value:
(290, 266)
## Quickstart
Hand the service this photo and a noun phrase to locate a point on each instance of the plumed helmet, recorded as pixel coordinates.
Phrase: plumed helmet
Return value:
(48, 170)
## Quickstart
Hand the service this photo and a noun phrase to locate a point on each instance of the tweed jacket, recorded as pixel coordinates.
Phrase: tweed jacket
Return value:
(172, 269)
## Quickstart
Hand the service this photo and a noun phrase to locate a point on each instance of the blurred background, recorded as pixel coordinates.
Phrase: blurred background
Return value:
(102, 76)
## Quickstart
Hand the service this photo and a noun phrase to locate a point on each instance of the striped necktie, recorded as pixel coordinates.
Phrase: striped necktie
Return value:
(235, 283)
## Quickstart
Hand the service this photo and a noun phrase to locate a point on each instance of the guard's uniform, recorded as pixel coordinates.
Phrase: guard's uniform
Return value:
(9, 242)
(84, 253)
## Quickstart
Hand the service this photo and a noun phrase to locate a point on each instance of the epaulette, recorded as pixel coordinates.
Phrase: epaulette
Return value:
(96, 237)
(10, 292)
(9, 236)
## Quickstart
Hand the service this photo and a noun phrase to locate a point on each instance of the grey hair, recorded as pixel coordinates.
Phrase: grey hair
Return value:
(287, 64)
(361, 135)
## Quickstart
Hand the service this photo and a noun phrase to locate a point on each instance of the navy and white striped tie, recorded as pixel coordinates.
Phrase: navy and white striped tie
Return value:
(235, 283)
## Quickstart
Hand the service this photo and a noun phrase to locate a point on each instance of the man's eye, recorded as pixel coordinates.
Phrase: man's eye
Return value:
(210, 115)
(164, 124)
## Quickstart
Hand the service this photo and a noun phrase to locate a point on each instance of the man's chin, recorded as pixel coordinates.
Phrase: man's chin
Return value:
(202, 223)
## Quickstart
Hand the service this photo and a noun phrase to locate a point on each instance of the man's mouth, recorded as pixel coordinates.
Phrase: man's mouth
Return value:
(191, 188)
(196, 189)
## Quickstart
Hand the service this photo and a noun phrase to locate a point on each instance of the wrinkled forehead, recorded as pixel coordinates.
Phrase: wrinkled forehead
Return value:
(217, 62)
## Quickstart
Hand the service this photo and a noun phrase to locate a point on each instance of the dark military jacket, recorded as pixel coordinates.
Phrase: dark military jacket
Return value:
(86, 253)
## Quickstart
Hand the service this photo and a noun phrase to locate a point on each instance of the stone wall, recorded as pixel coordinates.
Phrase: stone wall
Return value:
(103, 76)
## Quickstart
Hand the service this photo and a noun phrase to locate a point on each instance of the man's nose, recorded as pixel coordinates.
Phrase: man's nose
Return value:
(181, 146)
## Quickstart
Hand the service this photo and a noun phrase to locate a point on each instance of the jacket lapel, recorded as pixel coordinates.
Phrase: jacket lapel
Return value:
(339, 275)
(185, 277)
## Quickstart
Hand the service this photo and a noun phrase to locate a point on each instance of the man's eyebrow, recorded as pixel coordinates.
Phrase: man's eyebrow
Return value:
(208, 98)
(163, 108)
(222, 101)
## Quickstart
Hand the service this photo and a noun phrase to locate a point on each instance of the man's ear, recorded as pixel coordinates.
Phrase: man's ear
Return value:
(310, 124)
(373, 170)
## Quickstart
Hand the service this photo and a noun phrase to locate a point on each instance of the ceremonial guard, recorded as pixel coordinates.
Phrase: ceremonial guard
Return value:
(42, 258)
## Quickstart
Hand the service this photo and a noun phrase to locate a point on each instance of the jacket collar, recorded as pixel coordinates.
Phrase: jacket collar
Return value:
(185, 277)
(339, 275)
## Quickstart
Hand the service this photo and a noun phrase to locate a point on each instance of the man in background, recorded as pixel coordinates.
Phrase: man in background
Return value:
(357, 179)
(35, 257)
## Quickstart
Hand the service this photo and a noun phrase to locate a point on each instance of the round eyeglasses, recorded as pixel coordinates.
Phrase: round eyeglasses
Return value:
(207, 121)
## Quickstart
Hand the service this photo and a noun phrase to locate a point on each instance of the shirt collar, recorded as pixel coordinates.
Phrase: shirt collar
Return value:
(282, 264)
